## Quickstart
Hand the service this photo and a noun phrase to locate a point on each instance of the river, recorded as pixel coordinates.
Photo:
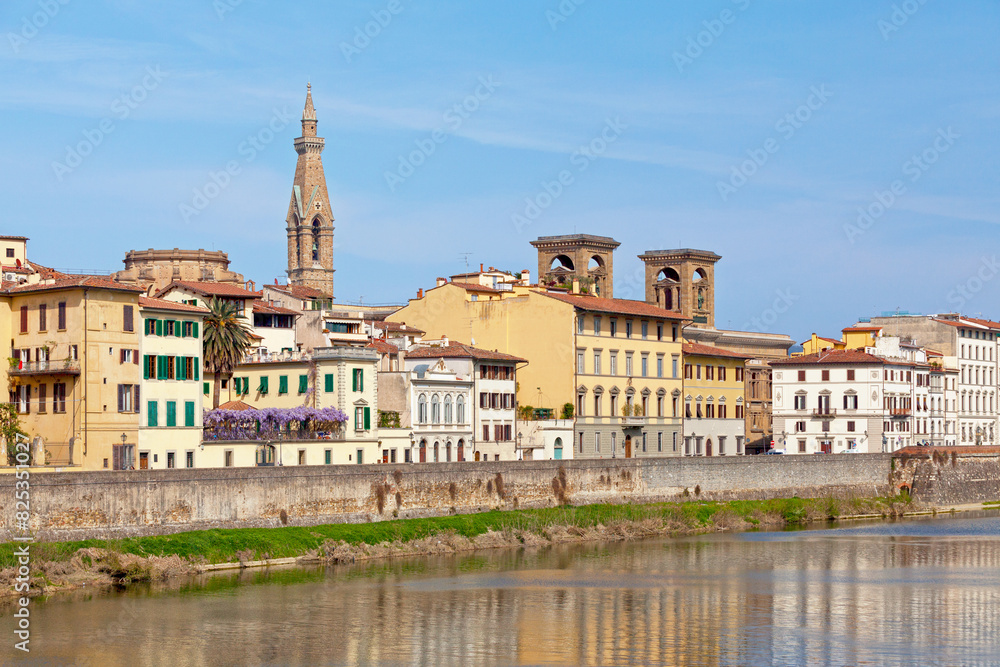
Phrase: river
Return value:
(913, 592)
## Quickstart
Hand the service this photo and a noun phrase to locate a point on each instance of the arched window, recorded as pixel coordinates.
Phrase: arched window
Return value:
(447, 409)
(435, 410)
(315, 243)
(460, 410)
(422, 409)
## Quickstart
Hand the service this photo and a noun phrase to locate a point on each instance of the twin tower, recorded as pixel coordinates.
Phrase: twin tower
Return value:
(679, 280)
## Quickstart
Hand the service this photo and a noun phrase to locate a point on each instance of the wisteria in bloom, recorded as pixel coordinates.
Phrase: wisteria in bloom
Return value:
(302, 423)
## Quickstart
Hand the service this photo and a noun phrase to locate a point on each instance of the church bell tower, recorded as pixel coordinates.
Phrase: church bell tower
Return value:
(309, 223)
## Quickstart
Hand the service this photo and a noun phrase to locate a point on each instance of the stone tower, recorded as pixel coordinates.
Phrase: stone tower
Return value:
(683, 281)
(585, 257)
(310, 220)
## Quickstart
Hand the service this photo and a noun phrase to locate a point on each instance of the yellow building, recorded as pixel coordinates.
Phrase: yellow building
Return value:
(817, 344)
(714, 419)
(601, 356)
(74, 375)
(171, 397)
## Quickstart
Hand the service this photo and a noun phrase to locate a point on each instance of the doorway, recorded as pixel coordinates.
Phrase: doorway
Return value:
(423, 451)
(628, 446)
(143, 460)
(708, 447)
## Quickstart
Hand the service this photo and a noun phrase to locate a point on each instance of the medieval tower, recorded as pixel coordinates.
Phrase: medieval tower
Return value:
(309, 223)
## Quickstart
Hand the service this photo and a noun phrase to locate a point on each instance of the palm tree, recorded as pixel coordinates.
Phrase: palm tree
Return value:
(227, 338)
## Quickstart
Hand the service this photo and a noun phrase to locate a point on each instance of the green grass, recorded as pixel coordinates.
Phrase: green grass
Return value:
(226, 545)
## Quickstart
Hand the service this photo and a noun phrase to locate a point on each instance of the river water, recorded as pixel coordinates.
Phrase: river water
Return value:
(914, 592)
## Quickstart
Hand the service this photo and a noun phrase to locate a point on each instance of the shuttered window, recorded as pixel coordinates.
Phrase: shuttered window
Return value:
(151, 414)
(171, 413)
(282, 384)
(303, 384)
(189, 413)
(328, 383)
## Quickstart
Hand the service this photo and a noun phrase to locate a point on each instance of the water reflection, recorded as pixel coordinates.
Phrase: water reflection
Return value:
(914, 592)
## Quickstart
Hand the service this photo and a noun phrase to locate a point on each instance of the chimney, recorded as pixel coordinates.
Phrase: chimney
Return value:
(576, 285)
(444, 341)
(526, 277)
(441, 281)
(480, 268)
(420, 293)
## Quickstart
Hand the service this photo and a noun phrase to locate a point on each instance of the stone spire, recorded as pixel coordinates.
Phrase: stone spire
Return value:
(309, 223)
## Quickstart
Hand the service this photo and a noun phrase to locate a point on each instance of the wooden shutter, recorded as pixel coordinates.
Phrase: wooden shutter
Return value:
(135, 357)
(194, 329)
(282, 384)
(121, 403)
(159, 327)
(189, 413)
(328, 383)
(135, 401)
(171, 413)
(151, 414)
(196, 363)
(354, 380)
(177, 328)
(368, 418)
(303, 384)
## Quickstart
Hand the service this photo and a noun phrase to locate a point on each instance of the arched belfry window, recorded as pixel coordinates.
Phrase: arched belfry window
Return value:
(315, 244)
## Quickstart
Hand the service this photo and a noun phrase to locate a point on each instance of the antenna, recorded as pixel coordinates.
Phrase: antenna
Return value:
(465, 256)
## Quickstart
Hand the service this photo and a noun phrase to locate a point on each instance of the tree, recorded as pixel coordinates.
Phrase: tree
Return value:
(10, 428)
(227, 339)
(567, 411)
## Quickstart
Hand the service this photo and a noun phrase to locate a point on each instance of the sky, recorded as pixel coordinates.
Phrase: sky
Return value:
(842, 158)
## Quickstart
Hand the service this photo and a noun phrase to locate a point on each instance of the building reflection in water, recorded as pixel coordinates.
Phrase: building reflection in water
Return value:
(812, 597)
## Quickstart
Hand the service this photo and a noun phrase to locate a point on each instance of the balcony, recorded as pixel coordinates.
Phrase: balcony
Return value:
(824, 413)
(900, 412)
(633, 422)
(51, 367)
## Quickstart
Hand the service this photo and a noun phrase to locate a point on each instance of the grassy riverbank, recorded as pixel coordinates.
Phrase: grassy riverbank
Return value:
(60, 564)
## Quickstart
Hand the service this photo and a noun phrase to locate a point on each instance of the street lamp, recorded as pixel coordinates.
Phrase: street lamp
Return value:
(520, 454)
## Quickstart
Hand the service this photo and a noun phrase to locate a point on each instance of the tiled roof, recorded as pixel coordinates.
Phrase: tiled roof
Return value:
(212, 289)
(709, 351)
(461, 351)
(270, 309)
(101, 282)
(396, 327)
(48, 273)
(382, 347)
(473, 287)
(13, 238)
(17, 269)
(830, 357)
(163, 304)
(598, 304)
(300, 291)
(986, 323)
(236, 405)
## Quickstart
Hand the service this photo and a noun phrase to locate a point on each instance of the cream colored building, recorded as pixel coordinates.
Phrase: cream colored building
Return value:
(714, 423)
(171, 397)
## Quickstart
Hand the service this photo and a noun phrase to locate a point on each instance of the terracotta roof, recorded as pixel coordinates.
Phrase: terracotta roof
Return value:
(709, 351)
(472, 287)
(271, 309)
(382, 347)
(236, 405)
(396, 327)
(830, 357)
(101, 282)
(598, 304)
(300, 291)
(212, 289)
(461, 351)
(163, 304)
(48, 273)
(986, 323)
(17, 269)
(862, 328)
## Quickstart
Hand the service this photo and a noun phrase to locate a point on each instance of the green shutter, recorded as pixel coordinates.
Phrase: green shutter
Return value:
(282, 384)
(145, 367)
(263, 385)
(171, 413)
(159, 327)
(328, 383)
(180, 370)
(303, 384)
(161, 368)
(189, 413)
(151, 414)
(361, 379)
(368, 418)
(149, 321)
(177, 328)
(354, 379)
(194, 329)
(195, 363)
(205, 389)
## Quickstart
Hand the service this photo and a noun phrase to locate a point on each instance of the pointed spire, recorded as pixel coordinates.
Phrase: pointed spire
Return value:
(309, 113)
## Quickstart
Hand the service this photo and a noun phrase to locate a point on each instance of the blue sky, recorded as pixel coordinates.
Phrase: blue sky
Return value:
(838, 97)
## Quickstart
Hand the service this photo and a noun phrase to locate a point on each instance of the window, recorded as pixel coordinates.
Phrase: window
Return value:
(579, 324)
(61, 316)
(168, 328)
(10, 252)
(613, 356)
(722, 445)
(422, 409)
(447, 410)
(851, 402)
(709, 372)
(358, 380)
(152, 418)
(42, 397)
(802, 446)
(229, 458)
(597, 442)
(675, 441)
(645, 330)
(189, 413)
(674, 362)
(850, 427)
(739, 412)
(597, 362)
(802, 376)
(362, 418)
(739, 374)
(850, 375)
(262, 387)
(302, 457)
(659, 331)
(628, 364)
(128, 321)
(460, 410)
(328, 383)
(579, 363)
(171, 460)
(128, 398)
(800, 427)
(23, 399)
(189, 459)
(171, 413)
(659, 365)
(24, 319)
(282, 384)
(59, 397)
(697, 371)
(614, 327)
(42, 312)
(644, 365)
(800, 402)
(435, 410)
(688, 372)
(826, 376)
(628, 328)
(597, 325)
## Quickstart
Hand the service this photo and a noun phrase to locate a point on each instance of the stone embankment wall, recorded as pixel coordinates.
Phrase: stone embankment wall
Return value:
(948, 475)
(102, 504)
